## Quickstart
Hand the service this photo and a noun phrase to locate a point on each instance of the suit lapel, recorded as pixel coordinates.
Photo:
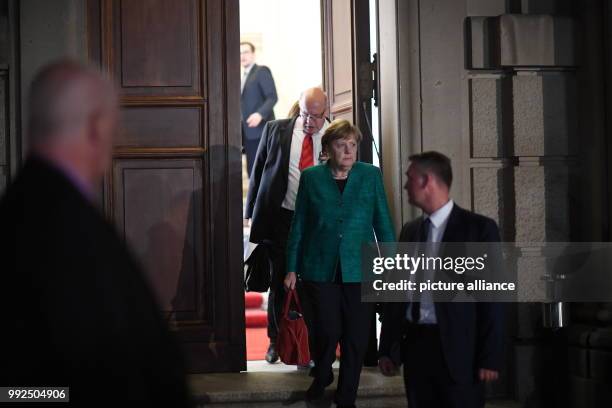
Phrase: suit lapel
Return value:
(414, 233)
(453, 227)
(455, 234)
(286, 135)
(251, 74)
(450, 235)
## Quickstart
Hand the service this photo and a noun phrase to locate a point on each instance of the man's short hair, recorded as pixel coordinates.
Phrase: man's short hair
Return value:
(436, 163)
(250, 44)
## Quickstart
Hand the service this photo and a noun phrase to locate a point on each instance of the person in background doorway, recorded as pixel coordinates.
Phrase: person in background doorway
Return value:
(339, 207)
(257, 100)
(75, 307)
(288, 146)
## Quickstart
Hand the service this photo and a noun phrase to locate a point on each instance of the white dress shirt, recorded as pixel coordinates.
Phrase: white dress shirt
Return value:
(437, 227)
(294, 160)
(245, 75)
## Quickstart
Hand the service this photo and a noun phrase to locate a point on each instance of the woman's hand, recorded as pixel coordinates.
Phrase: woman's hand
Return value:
(290, 280)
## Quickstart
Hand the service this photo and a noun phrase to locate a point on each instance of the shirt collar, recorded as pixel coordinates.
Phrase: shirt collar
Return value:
(440, 216)
(248, 69)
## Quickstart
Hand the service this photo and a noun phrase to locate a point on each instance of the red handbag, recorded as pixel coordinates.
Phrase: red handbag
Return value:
(292, 339)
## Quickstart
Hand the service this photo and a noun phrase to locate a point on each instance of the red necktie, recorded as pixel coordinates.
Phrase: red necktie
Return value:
(306, 158)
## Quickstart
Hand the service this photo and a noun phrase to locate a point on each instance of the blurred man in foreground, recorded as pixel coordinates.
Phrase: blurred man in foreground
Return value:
(75, 308)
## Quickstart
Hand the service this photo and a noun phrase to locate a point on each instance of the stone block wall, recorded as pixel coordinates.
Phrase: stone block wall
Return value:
(521, 64)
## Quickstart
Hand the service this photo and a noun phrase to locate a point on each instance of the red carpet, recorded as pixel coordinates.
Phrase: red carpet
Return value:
(253, 300)
(256, 320)
(257, 343)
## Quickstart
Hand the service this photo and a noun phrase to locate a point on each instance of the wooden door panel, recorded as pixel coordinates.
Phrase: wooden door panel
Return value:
(162, 126)
(338, 51)
(341, 49)
(345, 113)
(157, 47)
(174, 191)
(348, 72)
(158, 207)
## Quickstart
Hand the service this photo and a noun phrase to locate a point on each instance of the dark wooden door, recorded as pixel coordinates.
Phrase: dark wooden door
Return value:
(174, 190)
(348, 70)
(338, 51)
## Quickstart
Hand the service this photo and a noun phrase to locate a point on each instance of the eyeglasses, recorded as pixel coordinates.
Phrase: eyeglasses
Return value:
(306, 116)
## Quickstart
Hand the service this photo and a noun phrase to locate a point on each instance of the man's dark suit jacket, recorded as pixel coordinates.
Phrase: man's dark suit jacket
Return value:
(258, 95)
(268, 183)
(471, 333)
(75, 308)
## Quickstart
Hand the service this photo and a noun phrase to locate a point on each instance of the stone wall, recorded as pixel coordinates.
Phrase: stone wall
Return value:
(521, 112)
(529, 141)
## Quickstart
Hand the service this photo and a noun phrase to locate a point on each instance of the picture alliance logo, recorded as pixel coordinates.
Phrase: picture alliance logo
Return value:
(412, 264)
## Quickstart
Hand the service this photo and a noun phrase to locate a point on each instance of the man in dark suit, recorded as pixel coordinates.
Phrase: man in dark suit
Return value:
(76, 310)
(257, 100)
(287, 147)
(448, 349)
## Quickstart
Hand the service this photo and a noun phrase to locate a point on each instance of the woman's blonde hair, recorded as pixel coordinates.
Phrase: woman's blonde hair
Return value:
(294, 111)
(340, 129)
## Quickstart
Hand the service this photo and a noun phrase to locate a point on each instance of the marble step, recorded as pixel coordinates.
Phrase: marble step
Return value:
(286, 389)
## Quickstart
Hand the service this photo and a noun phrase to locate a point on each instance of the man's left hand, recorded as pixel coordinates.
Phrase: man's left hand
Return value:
(254, 120)
(487, 375)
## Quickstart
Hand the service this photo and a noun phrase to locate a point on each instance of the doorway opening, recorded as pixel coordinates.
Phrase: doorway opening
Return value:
(286, 37)
(304, 44)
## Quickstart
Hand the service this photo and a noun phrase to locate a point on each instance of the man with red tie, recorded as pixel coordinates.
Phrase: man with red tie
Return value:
(287, 147)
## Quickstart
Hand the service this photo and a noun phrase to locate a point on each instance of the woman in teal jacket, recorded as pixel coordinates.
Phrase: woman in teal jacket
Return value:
(339, 207)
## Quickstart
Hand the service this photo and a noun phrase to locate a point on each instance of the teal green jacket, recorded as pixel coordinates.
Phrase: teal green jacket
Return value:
(330, 227)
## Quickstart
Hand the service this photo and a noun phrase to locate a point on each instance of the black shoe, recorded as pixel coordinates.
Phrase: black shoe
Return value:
(316, 390)
(308, 366)
(271, 355)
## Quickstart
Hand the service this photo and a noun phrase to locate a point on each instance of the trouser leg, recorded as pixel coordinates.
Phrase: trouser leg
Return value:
(328, 328)
(426, 376)
(371, 355)
(307, 292)
(276, 298)
(278, 253)
(420, 391)
(423, 362)
(463, 396)
(356, 322)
